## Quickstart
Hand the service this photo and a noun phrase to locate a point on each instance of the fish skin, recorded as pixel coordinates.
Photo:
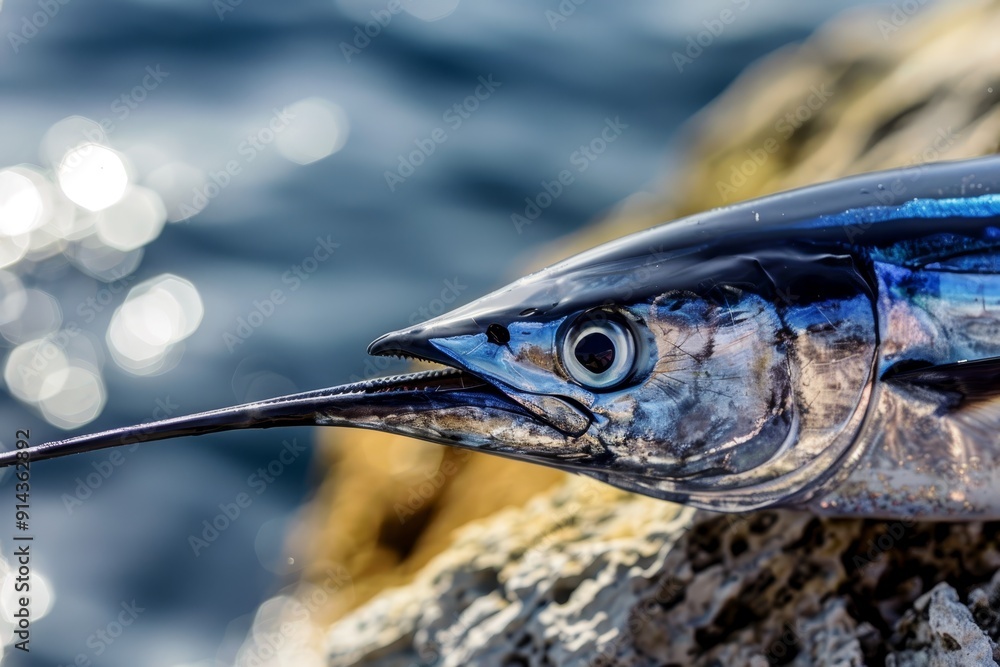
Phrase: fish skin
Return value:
(774, 351)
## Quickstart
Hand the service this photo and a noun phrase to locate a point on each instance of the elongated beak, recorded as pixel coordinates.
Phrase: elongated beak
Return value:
(449, 406)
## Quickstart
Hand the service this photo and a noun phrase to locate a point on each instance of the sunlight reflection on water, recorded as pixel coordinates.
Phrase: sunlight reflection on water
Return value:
(95, 209)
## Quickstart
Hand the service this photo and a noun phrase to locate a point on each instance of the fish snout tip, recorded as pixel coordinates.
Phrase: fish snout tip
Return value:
(410, 343)
(381, 345)
(401, 343)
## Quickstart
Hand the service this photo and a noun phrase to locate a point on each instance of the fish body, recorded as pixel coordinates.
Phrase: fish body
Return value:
(833, 348)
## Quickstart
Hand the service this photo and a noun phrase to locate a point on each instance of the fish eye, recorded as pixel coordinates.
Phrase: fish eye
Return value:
(598, 353)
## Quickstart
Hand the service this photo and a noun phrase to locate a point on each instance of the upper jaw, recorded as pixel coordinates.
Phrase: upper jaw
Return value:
(566, 415)
(409, 344)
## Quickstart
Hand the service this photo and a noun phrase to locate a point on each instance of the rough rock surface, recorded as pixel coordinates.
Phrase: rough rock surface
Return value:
(940, 630)
(584, 575)
(589, 576)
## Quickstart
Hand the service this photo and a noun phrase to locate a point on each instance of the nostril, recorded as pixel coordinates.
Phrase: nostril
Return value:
(497, 334)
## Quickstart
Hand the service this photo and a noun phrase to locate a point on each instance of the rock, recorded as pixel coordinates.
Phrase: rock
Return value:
(587, 576)
(550, 588)
(940, 631)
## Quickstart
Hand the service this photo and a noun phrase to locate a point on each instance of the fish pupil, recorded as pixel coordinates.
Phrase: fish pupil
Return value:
(595, 352)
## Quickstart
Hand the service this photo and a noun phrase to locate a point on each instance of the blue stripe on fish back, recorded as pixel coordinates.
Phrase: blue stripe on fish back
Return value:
(983, 206)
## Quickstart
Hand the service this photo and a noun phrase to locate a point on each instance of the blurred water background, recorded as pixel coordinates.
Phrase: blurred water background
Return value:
(210, 202)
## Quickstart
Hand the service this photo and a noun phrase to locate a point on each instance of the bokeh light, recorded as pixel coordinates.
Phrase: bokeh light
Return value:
(28, 367)
(13, 299)
(132, 222)
(318, 129)
(24, 200)
(155, 316)
(39, 315)
(93, 176)
(82, 211)
(67, 134)
(94, 258)
(59, 374)
(429, 10)
(13, 248)
(42, 244)
(78, 397)
(273, 549)
(64, 222)
(286, 616)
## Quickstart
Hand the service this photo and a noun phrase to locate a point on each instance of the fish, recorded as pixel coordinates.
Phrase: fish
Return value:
(833, 349)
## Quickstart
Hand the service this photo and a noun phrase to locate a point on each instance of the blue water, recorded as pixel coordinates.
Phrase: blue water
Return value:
(446, 228)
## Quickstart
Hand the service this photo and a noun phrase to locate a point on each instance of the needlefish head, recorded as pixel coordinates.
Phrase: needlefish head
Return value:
(676, 370)
(678, 387)
(727, 381)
